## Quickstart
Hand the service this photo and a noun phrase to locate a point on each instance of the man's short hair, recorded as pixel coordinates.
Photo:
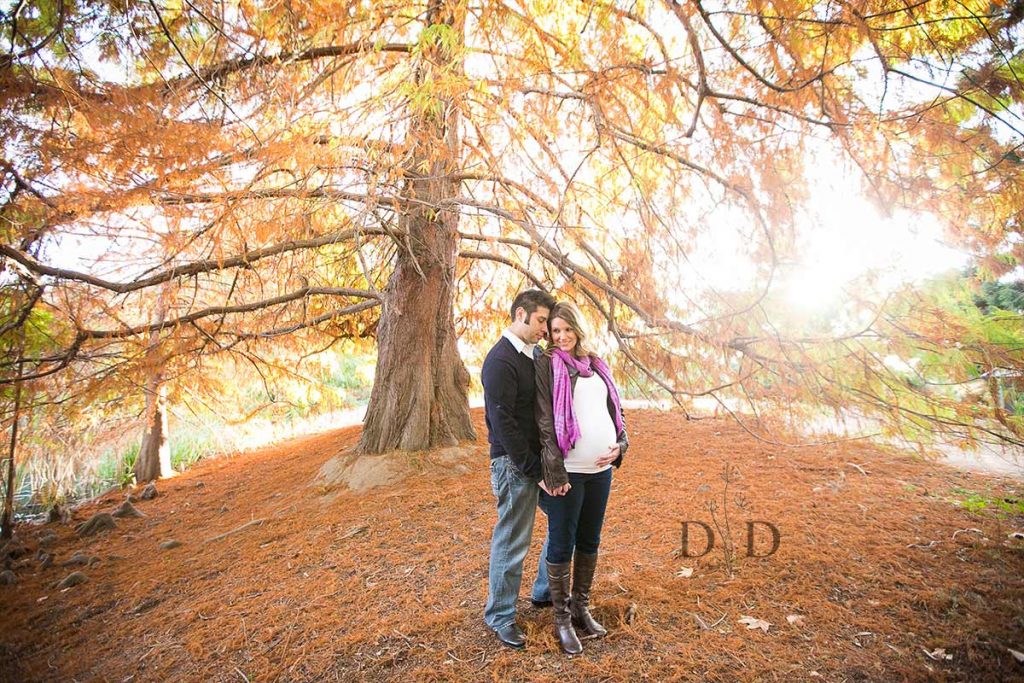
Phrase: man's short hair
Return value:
(530, 300)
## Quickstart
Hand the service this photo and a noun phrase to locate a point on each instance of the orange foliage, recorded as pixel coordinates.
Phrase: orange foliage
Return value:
(258, 164)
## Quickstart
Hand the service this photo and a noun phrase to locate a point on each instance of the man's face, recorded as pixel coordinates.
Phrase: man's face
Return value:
(536, 324)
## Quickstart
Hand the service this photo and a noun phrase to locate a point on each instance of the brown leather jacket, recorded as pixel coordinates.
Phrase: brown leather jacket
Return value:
(551, 456)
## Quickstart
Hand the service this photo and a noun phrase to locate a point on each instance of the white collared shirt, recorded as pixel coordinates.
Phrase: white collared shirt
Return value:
(521, 346)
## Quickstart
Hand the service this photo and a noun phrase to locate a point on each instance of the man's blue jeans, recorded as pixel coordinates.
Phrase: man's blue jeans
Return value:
(541, 590)
(517, 506)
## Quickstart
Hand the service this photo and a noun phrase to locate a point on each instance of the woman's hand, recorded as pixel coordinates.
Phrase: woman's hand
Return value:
(610, 456)
(560, 491)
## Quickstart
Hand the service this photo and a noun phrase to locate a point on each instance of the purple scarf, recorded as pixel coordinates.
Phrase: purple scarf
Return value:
(567, 430)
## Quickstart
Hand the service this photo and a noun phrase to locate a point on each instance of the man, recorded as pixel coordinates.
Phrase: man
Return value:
(509, 399)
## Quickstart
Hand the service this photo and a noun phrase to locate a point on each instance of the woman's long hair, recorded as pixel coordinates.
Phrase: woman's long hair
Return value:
(571, 315)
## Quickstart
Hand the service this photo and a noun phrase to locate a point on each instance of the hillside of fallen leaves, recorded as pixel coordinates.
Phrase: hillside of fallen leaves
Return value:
(879, 576)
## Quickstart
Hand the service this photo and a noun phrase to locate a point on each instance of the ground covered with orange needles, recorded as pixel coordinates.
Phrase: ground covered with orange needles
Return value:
(878, 575)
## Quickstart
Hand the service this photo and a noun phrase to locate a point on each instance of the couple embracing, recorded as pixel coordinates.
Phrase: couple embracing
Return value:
(554, 423)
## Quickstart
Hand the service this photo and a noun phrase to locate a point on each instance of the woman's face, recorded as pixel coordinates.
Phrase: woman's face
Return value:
(562, 335)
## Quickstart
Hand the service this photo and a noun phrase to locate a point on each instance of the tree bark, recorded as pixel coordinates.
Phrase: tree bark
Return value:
(154, 460)
(419, 397)
(7, 523)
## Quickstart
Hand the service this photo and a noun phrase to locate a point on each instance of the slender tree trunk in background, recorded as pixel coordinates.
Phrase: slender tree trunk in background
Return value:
(7, 524)
(419, 398)
(154, 459)
(997, 396)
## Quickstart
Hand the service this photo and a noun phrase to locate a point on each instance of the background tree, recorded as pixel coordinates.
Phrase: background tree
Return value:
(154, 458)
(301, 172)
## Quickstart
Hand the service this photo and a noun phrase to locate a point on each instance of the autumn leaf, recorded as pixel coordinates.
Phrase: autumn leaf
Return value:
(755, 623)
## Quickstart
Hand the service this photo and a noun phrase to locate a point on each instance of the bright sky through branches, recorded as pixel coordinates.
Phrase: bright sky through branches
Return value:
(844, 244)
(848, 242)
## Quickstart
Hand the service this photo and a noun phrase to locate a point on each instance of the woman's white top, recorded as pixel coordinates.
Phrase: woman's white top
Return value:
(597, 431)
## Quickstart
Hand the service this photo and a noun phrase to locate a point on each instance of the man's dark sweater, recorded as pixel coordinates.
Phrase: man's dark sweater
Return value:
(509, 399)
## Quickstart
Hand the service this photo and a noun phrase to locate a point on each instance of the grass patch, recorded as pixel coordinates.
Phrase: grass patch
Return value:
(978, 503)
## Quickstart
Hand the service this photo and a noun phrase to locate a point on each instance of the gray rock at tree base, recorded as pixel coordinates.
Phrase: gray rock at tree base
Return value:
(101, 521)
(127, 510)
(47, 539)
(72, 579)
(148, 493)
(168, 545)
(45, 560)
(145, 605)
(80, 559)
(7, 578)
(13, 549)
(58, 513)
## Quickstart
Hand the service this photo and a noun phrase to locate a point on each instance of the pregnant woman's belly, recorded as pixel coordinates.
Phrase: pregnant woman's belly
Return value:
(597, 431)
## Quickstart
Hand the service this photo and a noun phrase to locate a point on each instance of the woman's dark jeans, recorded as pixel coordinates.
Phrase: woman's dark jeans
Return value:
(575, 519)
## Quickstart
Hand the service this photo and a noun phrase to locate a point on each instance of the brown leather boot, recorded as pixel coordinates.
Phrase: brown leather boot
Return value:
(582, 578)
(558, 579)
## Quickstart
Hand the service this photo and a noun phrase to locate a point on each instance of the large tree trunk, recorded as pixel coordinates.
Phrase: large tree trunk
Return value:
(419, 393)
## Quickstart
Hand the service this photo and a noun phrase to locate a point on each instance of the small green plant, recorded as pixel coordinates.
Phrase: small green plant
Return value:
(188, 447)
(976, 503)
(115, 468)
(350, 378)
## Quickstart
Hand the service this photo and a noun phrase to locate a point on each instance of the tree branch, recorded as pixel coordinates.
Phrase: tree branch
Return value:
(481, 255)
(185, 270)
(237, 308)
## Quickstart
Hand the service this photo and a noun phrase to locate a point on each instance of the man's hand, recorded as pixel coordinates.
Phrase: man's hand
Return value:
(560, 491)
(610, 456)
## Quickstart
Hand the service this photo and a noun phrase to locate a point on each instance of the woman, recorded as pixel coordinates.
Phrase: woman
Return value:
(582, 436)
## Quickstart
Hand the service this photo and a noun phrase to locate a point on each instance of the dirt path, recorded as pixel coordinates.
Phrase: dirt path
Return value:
(886, 578)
